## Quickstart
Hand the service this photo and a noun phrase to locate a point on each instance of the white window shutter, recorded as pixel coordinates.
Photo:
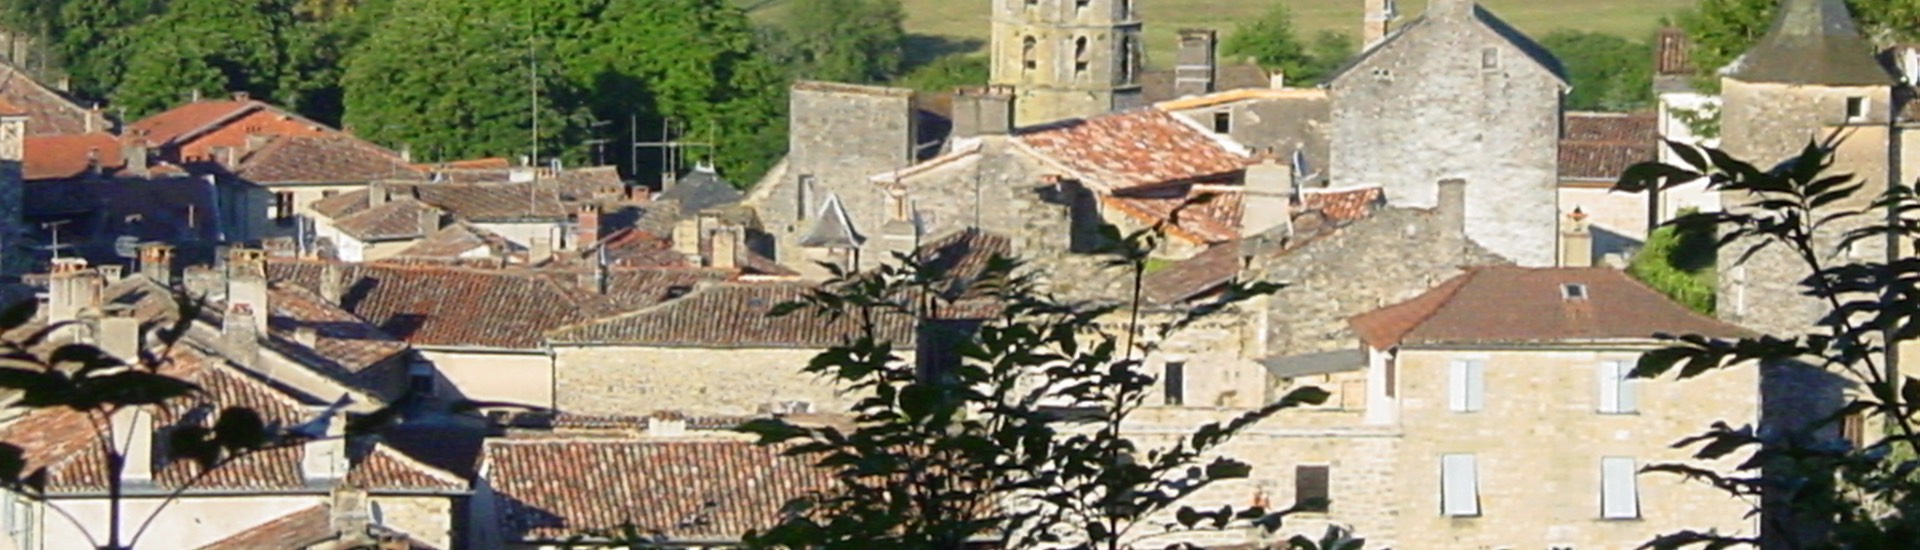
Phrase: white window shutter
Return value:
(1629, 388)
(1620, 491)
(1457, 386)
(1476, 384)
(1459, 486)
(1609, 382)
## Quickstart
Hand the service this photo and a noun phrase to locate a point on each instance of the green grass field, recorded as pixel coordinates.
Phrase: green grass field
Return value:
(941, 26)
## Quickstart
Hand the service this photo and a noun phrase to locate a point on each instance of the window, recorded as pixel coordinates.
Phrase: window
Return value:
(1081, 57)
(1081, 4)
(1459, 486)
(1619, 491)
(1310, 488)
(1393, 375)
(1618, 394)
(1856, 108)
(1129, 58)
(1174, 382)
(1126, 9)
(420, 380)
(1466, 384)
(1573, 291)
(283, 206)
(1027, 45)
(1489, 58)
(1223, 122)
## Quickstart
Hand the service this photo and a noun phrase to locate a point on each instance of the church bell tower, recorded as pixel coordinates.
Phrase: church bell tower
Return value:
(1067, 58)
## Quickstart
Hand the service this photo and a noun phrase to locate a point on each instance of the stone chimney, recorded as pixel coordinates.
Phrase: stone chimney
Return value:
(306, 336)
(133, 155)
(135, 426)
(1268, 204)
(240, 334)
(1379, 19)
(156, 262)
(594, 279)
(350, 516)
(324, 460)
(725, 249)
(686, 237)
(71, 289)
(983, 111)
(1194, 63)
(428, 220)
(666, 424)
(540, 250)
(247, 283)
(119, 334)
(1576, 240)
(586, 226)
(331, 284)
(1451, 216)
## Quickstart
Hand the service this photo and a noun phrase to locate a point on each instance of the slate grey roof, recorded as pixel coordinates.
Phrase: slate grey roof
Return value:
(834, 229)
(701, 189)
(1811, 42)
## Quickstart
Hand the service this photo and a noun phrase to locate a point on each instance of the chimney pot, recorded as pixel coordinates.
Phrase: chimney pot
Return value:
(1195, 63)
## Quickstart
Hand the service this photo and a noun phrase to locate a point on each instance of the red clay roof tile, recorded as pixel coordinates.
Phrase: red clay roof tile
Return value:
(1134, 148)
(1504, 305)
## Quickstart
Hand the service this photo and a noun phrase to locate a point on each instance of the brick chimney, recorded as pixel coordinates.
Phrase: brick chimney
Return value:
(982, 111)
(586, 226)
(1195, 63)
(1268, 204)
(331, 284)
(156, 262)
(1576, 240)
(1451, 216)
(1379, 19)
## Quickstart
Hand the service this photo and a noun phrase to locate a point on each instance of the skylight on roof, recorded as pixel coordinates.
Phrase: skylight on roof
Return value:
(1573, 291)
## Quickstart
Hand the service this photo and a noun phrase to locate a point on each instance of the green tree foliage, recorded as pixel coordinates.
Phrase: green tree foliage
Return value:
(1679, 261)
(1821, 491)
(859, 41)
(1723, 29)
(946, 73)
(1608, 73)
(214, 46)
(1271, 42)
(88, 39)
(452, 78)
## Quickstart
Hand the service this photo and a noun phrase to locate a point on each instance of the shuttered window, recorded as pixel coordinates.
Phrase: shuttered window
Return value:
(1619, 489)
(1175, 382)
(1310, 488)
(1466, 385)
(1618, 393)
(1459, 486)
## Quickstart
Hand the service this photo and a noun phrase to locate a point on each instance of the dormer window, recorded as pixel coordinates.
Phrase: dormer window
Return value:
(1223, 122)
(1573, 291)
(1856, 109)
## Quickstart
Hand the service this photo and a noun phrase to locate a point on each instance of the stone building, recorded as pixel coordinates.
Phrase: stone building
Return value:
(14, 255)
(1457, 93)
(1066, 59)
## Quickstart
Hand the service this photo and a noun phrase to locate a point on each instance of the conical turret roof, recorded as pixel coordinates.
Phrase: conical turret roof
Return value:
(1811, 42)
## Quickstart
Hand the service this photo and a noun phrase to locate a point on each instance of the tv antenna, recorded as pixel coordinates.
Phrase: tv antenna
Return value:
(672, 147)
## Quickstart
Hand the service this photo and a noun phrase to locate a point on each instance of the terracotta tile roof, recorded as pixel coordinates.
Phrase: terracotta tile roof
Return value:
(395, 220)
(335, 158)
(342, 341)
(460, 240)
(48, 111)
(1218, 220)
(634, 247)
(1134, 148)
(300, 529)
(7, 108)
(489, 163)
(1673, 53)
(1507, 305)
(553, 489)
(436, 305)
(963, 254)
(340, 205)
(383, 469)
(189, 120)
(1344, 205)
(725, 315)
(70, 155)
(1194, 276)
(1601, 146)
(480, 202)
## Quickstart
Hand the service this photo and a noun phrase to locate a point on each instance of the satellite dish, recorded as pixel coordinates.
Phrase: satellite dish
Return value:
(126, 246)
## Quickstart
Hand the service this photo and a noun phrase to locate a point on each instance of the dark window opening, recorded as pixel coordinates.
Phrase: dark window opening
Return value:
(1310, 488)
(1573, 291)
(1027, 45)
(1856, 108)
(420, 385)
(283, 207)
(1081, 4)
(1393, 375)
(800, 196)
(1081, 58)
(1175, 382)
(1129, 58)
(1222, 122)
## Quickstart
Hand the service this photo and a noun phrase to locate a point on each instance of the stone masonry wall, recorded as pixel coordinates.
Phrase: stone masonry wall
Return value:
(1426, 107)
(632, 380)
(1057, 87)
(427, 519)
(1538, 443)
(839, 135)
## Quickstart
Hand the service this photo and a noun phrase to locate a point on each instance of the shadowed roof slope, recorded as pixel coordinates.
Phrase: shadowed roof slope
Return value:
(553, 489)
(727, 315)
(322, 159)
(1811, 42)
(1505, 305)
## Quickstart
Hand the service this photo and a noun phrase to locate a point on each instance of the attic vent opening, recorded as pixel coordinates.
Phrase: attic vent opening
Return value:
(1490, 58)
(677, 291)
(1856, 108)
(1573, 291)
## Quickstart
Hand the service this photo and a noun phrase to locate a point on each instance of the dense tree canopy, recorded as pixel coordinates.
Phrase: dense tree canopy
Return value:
(1608, 73)
(1271, 42)
(946, 73)
(841, 40)
(213, 46)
